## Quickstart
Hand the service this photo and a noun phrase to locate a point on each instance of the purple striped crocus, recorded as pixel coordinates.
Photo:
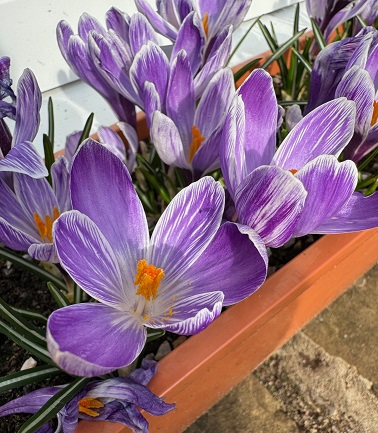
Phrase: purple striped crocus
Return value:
(29, 209)
(17, 153)
(300, 188)
(178, 280)
(117, 400)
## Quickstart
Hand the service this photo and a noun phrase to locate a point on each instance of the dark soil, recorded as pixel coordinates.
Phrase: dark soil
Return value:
(21, 289)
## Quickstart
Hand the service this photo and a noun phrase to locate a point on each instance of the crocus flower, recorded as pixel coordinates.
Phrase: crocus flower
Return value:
(27, 211)
(178, 280)
(329, 14)
(292, 191)
(112, 141)
(188, 136)
(116, 400)
(18, 154)
(214, 15)
(349, 68)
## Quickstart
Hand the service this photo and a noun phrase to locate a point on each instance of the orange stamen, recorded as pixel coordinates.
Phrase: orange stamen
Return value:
(87, 404)
(374, 117)
(148, 277)
(205, 23)
(293, 170)
(196, 142)
(45, 227)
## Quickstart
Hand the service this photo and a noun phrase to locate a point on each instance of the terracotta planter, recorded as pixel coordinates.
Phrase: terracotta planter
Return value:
(202, 370)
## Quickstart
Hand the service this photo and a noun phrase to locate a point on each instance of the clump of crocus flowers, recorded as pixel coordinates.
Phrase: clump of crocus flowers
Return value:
(149, 237)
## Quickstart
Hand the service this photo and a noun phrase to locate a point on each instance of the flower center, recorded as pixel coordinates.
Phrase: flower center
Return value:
(205, 23)
(87, 404)
(148, 277)
(196, 142)
(45, 227)
(374, 117)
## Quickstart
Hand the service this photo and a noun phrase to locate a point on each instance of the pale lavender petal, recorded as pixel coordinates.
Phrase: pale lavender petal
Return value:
(216, 60)
(95, 173)
(361, 53)
(151, 101)
(326, 130)
(362, 148)
(218, 93)
(372, 64)
(358, 213)
(167, 141)
(15, 238)
(145, 372)
(88, 258)
(92, 339)
(112, 141)
(23, 158)
(191, 40)
(60, 174)
(357, 86)
(119, 21)
(140, 33)
(88, 23)
(329, 185)
(29, 403)
(260, 107)
(193, 314)
(270, 201)
(186, 227)
(231, 146)
(293, 116)
(29, 101)
(133, 143)
(72, 142)
(206, 159)
(43, 252)
(159, 24)
(235, 263)
(180, 100)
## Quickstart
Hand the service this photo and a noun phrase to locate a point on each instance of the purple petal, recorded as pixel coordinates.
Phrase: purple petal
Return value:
(88, 258)
(112, 141)
(88, 23)
(193, 314)
(98, 177)
(186, 227)
(72, 142)
(159, 24)
(191, 40)
(357, 150)
(326, 130)
(235, 263)
(167, 141)
(29, 100)
(358, 213)
(145, 373)
(44, 252)
(29, 403)
(93, 339)
(260, 107)
(206, 159)
(133, 143)
(293, 116)
(60, 174)
(270, 201)
(119, 22)
(140, 33)
(151, 102)
(15, 238)
(180, 97)
(23, 158)
(329, 185)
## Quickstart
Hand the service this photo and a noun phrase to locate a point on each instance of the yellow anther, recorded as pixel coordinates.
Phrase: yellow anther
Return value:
(87, 404)
(148, 277)
(205, 23)
(45, 227)
(196, 142)
(374, 117)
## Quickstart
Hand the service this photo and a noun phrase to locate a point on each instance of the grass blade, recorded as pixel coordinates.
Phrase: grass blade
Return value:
(86, 130)
(304, 62)
(50, 108)
(245, 69)
(32, 315)
(59, 297)
(318, 34)
(49, 156)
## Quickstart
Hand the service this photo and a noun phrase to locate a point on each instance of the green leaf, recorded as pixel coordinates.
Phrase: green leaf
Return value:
(78, 294)
(242, 39)
(49, 156)
(282, 49)
(50, 108)
(53, 406)
(21, 324)
(367, 160)
(318, 34)
(29, 345)
(238, 74)
(59, 296)
(304, 62)
(18, 260)
(29, 314)
(153, 334)
(86, 130)
(25, 377)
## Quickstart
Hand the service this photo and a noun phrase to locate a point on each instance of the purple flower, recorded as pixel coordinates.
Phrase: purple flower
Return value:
(18, 154)
(178, 280)
(214, 15)
(27, 211)
(298, 188)
(188, 136)
(112, 141)
(116, 400)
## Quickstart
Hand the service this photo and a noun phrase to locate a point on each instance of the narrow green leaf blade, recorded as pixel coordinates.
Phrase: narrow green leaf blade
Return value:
(245, 69)
(50, 109)
(87, 129)
(53, 406)
(153, 334)
(318, 34)
(59, 296)
(25, 377)
(305, 63)
(49, 156)
(32, 315)
(242, 39)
